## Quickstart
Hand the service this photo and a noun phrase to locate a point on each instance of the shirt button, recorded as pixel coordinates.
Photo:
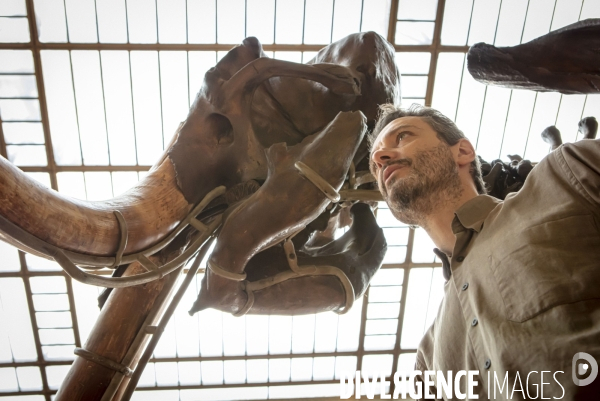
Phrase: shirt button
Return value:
(460, 258)
(487, 364)
(474, 322)
(465, 286)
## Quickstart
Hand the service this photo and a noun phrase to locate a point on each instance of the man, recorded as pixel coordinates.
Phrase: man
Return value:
(523, 290)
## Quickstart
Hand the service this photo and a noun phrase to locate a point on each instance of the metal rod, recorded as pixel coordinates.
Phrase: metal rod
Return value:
(165, 319)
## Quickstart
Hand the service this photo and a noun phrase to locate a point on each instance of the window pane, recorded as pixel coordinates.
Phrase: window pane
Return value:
(18, 86)
(317, 23)
(23, 133)
(231, 23)
(112, 21)
(457, 19)
(288, 21)
(141, 17)
(27, 155)
(81, 21)
(16, 61)
(346, 18)
(14, 30)
(414, 33)
(421, 10)
(201, 21)
(50, 18)
(20, 110)
(171, 21)
(375, 17)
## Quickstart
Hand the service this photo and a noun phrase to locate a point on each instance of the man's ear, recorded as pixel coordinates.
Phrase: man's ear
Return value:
(465, 152)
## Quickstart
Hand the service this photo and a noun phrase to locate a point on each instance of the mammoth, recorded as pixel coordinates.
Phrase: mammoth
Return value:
(271, 161)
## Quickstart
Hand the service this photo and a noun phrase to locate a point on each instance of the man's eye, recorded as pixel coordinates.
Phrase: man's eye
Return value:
(401, 136)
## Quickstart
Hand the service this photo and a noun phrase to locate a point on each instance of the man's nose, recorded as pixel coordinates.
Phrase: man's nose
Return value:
(383, 156)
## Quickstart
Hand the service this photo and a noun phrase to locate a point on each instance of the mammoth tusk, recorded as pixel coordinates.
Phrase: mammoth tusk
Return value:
(149, 211)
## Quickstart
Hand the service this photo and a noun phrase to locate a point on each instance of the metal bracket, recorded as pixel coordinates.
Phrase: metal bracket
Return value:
(103, 361)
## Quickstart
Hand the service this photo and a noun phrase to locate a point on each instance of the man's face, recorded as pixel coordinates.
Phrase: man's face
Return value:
(415, 170)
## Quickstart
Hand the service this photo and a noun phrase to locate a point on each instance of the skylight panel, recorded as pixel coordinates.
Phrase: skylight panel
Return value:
(544, 115)
(414, 87)
(118, 103)
(260, 20)
(35, 263)
(147, 379)
(51, 20)
(590, 9)
(349, 328)
(48, 285)
(231, 21)
(90, 102)
(539, 19)
(14, 317)
(418, 296)
(257, 370)
(326, 326)
(141, 19)
(257, 334)
(234, 371)
(167, 347)
(147, 106)
(448, 77)
(13, 7)
(304, 391)
(60, 101)
(484, 21)
(55, 375)
(20, 109)
(346, 18)
(406, 362)
(23, 133)
(517, 123)
(422, 247)
(46, 320)
(211, 333)
(414, 33)
(122, 181)
(81, 21)
(30, 378)
(301, 369)
(569, 114)
(470, 104)
(8, 380)
(457, 20)
(27, 155)
(174, 91)
(166, 373)
(212, 372)
(279, 369)
(42, 178)
(112, 21)
(377, 364)
(323, 368)
(280, 334)
(289, 21)
(295, 57)
(510, 22)
(72, 184)
(14, 30)
(303, 334)
(344, 365)
(566, 12)
(234, 329)
(375, 16)
(189, 373)
(98, 185)
(10, 258)
(493, 122)
(201, 21)
(413, 62)
(318, 21)
(172, 21)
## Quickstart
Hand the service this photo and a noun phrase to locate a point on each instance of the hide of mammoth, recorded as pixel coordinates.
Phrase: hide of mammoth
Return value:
(271, 161)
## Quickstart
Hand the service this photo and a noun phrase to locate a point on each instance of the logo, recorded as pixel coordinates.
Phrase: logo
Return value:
(581, 368)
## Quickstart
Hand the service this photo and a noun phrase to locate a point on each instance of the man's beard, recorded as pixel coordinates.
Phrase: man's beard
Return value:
(432, 181)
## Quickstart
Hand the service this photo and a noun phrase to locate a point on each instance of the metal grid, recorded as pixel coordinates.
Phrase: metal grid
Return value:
(414, 249)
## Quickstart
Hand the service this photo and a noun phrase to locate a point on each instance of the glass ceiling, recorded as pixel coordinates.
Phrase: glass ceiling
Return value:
(91, 93)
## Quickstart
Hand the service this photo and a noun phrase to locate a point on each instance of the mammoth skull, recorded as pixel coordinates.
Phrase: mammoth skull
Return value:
(269, 142)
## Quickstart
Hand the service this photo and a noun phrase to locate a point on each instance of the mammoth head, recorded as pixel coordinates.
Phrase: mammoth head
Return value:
(273, 123)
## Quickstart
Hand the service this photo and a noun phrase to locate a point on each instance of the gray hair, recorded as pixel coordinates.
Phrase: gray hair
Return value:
(445, 128)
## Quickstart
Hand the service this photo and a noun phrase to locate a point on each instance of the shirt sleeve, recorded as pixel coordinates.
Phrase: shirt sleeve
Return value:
(581, 163)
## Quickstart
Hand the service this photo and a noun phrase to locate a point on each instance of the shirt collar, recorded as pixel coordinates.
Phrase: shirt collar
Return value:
(472, 214)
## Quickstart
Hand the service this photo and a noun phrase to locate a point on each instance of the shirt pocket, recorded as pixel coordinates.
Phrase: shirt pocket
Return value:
(547, 265)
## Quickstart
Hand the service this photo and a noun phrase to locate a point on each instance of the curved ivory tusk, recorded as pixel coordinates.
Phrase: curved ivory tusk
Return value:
(150, 211)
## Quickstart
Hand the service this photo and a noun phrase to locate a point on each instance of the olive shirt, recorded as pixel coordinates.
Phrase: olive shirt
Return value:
(524, 289)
